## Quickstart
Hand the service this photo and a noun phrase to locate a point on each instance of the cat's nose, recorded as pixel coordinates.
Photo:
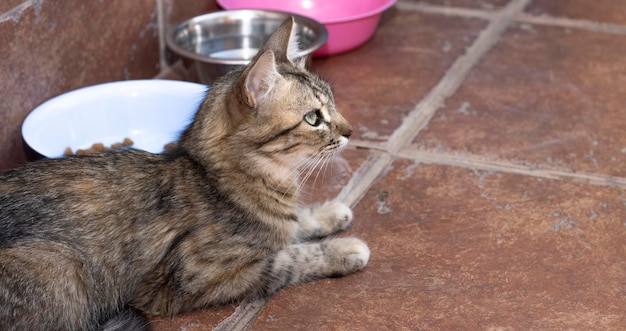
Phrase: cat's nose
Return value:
(344, 127)
(347, 133)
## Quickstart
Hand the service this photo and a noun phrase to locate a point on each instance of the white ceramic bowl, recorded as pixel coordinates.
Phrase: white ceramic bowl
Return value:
(152, 113)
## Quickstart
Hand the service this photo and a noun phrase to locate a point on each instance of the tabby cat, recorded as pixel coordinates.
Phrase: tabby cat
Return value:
(89, 241)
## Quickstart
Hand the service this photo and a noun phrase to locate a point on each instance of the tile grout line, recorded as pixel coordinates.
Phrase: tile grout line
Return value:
(421, 114)
(246, 313)
(579, 24)
(448, 11)
(546, 20)
(162, 26)
(476, 161)
(471, 161)
(243, 317)
(15, 14)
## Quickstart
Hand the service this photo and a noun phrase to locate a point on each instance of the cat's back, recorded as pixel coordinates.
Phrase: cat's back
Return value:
(107, 191)
(82, 178)
(60, 172)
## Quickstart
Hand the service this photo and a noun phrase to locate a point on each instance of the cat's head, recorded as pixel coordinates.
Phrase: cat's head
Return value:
(284, 108)
(272, 115)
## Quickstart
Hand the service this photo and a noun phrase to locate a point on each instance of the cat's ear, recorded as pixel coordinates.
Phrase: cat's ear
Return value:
(260, 79)
(285, 43)
(293, 45)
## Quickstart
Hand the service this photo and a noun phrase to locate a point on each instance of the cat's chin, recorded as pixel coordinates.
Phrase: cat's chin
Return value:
(343, 142)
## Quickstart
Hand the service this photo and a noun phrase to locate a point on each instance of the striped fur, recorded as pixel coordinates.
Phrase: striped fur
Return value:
(114, 236)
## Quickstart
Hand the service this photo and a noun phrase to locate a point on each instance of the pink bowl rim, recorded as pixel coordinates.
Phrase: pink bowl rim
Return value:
(384, 6)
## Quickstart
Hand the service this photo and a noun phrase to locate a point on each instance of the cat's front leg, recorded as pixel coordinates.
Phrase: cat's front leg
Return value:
(307, 261)
(324, 220)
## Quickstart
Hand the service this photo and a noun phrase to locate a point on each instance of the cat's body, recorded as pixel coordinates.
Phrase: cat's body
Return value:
(216, 220)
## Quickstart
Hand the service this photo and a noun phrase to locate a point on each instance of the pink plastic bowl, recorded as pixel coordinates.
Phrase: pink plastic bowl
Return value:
(349, 23)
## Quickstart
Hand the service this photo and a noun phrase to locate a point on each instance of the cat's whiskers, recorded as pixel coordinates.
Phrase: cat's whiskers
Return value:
(305, 173)
(303, 165)
(308, 169)
(322, 168)
(319, 162)
(328, 166)
(295, 171)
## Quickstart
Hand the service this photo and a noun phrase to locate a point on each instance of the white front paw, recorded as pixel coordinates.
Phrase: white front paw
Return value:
(337, 213)
(351, 254)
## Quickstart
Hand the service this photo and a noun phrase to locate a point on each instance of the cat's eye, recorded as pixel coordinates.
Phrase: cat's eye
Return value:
(313, 118)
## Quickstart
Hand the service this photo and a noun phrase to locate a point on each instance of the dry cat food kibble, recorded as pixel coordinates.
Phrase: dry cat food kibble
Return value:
(169, 147)
(99, 147)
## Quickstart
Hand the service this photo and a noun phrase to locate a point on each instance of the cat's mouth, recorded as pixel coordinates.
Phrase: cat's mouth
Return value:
(335, 145)
(332, 148)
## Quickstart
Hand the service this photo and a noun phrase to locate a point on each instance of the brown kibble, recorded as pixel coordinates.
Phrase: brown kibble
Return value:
(169, 147)
(98, 147)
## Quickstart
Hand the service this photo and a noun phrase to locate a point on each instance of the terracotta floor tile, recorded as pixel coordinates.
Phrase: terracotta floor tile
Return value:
(7, 5)
(455, 249)
(607, 11)
(379, 83)
(545, 96)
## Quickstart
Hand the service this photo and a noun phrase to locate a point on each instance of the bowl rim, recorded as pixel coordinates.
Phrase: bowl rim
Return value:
(174, 47)
(140, 85)
(384, 6)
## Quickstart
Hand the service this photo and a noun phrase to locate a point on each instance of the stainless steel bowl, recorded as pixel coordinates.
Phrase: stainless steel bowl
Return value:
(218, 42)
